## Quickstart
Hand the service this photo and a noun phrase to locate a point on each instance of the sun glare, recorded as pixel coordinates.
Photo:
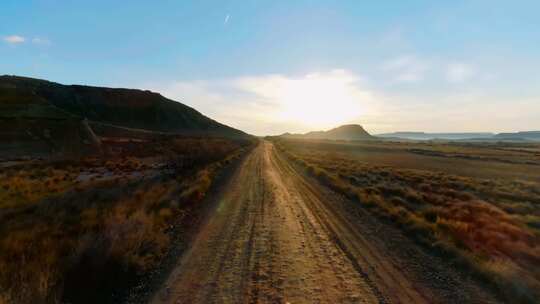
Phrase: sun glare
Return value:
(320, 101)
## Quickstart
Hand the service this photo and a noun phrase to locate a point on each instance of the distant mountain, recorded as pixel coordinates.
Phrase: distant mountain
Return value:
(430, 136)
(345, 132)
(122, 107)
(478, 136)
(524, 135)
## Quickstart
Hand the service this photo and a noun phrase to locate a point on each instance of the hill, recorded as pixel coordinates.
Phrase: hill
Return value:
(345, 132)
(466, 136)
(430, 136)
(41, 118)
(121, 107)
(524, 135)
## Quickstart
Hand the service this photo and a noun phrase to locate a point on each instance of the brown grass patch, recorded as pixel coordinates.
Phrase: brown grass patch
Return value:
(73, 240)
(489, 227)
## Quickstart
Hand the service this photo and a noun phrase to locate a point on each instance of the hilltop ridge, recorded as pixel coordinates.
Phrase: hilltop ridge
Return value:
(42, 118)
(130, 108)
(344, 132)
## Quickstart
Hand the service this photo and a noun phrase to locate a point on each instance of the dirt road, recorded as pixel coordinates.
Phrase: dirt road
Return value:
(275, 237)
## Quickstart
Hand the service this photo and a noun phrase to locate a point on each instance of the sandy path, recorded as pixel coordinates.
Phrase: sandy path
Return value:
(273, 239)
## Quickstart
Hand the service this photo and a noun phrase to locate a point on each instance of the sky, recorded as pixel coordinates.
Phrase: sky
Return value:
(269, 67)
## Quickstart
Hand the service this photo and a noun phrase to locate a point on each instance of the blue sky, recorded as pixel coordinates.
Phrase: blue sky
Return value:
(274, 66)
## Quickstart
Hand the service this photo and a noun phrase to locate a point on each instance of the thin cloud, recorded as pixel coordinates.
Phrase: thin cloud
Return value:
(406, 69)
(14, 39)
(459, 72)
(226, 19)
(393, 37)
(41, 41)
(276, 103)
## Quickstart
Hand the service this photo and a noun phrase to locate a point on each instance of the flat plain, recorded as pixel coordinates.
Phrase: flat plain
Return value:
(476, 204)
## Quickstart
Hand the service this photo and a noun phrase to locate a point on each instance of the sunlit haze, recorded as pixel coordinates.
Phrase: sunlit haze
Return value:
(269, 67)
(255, 151)
(316, 100)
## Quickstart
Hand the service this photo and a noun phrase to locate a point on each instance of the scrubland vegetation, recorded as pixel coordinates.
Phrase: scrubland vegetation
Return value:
(487, 223)
(77, 231)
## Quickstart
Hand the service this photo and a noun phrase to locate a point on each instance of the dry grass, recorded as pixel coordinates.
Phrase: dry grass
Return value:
(29, 186)
(67, 239)
(489, 227)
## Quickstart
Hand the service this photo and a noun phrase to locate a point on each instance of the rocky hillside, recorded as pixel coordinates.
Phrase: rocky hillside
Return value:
(39, 118)
(122, 107)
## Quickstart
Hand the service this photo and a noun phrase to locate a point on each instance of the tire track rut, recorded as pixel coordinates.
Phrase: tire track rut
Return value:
(274, 238)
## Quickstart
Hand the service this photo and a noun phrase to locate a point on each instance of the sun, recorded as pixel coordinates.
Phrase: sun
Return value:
(320, 101)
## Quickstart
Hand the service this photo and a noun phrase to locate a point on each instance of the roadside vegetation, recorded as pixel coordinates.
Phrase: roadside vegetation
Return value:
(489, 227)
(81, 230)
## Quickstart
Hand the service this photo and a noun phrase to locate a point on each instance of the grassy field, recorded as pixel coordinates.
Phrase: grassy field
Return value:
(79, 230)
(477, 204)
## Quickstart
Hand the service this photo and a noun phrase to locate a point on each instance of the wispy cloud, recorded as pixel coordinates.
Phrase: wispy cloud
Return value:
(406, 69)
(276, 103)
(459, 72)
(394, 38)
(41, 41)
(226, 19)
(14, 39)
